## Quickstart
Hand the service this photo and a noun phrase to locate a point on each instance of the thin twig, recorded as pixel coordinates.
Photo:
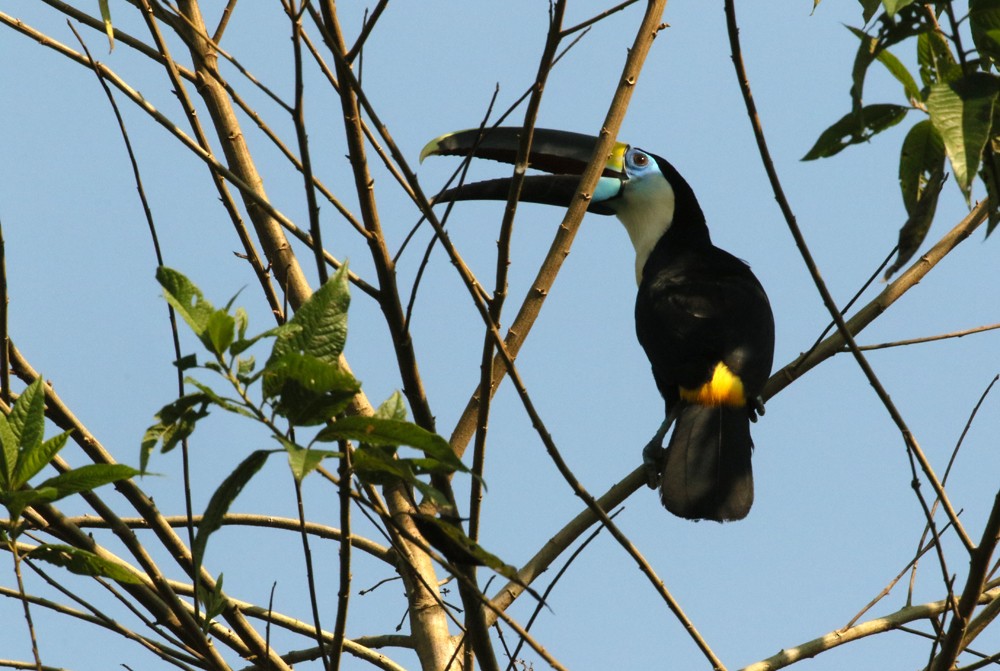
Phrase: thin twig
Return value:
(566, 32)
(227, 14)
(934, 338)
(955, 641)
(158, 252)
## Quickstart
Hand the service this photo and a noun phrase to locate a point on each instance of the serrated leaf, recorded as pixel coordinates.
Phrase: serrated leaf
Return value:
(223, 497)
(8, 452)
(186, 299)
(309, 390)
(34, 460)
(83, 562)
(27, 417)
(311, 373)
(392, 408)
(856, 128)
(87, 478)
(962, 112)
(323, 323)
(391, 432)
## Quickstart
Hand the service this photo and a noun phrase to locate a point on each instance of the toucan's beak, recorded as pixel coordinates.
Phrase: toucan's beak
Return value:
(563, 154)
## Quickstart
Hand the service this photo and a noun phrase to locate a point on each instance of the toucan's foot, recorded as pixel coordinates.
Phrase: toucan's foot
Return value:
(652, 460)
(755, 408)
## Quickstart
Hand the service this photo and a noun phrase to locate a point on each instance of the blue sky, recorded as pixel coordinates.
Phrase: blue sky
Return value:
(834, 518)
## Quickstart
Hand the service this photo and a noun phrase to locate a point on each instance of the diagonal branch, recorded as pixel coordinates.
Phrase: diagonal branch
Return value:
(789, 656)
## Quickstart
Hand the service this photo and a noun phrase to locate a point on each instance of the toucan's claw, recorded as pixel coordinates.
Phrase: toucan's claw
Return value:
(756, 408)
(652, 460)
(654, 454)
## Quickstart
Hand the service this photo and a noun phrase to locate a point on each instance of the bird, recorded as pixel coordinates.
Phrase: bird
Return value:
(701, 315)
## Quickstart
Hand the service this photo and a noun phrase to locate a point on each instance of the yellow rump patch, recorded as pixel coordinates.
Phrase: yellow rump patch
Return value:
(725, 388)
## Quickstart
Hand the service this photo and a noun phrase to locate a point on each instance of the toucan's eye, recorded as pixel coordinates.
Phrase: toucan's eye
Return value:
(637, 159)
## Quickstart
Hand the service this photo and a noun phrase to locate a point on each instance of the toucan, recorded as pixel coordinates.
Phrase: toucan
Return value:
(701, 315)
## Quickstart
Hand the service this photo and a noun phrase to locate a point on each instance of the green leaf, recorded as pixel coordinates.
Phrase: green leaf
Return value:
(893, 6)
(962, 112)
(868, 9)
(108, 28)
(902, 75)
(223, 497)
(16, 501)
(869, 50)
(391, 432)
(378, 465)
(8, 452)
(309, 390)
(87, 478)
(323, 322)
(303, 460)
(457, 547)
(219, 332)
(922, 156)
(392, 408)
(214, 602)
(186, 362)
(232, 405)
(913, 232)
(856, 128)
(862, 59)
(186, 298)
(990, 173)
(242, 343)
(27, 417)
(83, 562)
(177, 422)
(34, 460)
(937, 63)
(984, 23)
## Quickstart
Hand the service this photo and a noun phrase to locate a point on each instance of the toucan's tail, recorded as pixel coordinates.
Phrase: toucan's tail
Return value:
(706, 473)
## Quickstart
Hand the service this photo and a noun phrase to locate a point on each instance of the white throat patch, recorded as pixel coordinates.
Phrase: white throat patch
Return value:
(646, 209)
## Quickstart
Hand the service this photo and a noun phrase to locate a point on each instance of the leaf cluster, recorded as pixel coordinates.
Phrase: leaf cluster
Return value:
(957, 92)
(302, 387)
(24, 452)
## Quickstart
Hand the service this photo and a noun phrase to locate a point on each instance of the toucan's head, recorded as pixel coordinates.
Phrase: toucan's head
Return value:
(642, 189)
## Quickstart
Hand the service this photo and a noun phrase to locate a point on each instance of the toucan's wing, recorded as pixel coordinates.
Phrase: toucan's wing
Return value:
(702, 310)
